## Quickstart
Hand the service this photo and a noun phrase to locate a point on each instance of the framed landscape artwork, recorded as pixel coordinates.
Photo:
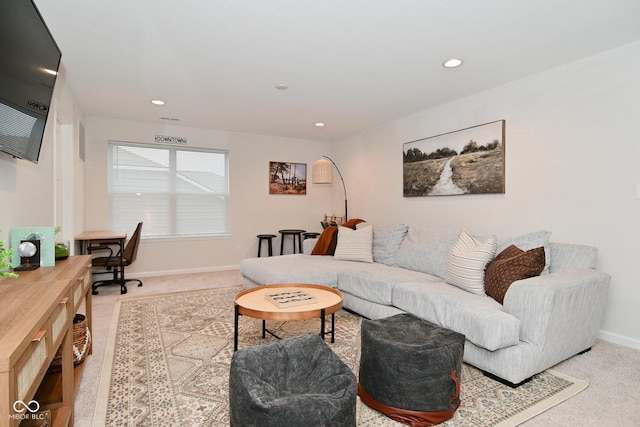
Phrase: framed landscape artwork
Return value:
(467, 161)
(287, 178)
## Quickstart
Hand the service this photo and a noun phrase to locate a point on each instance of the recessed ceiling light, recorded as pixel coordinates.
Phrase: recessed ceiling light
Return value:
(281, 86)
(48, 71)
(452, 63)
(157, 102)
(319, 124)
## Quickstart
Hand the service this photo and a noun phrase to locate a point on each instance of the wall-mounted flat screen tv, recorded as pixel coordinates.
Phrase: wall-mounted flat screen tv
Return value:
(29, 61)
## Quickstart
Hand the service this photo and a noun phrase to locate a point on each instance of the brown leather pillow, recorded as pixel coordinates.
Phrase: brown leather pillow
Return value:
(510, 265)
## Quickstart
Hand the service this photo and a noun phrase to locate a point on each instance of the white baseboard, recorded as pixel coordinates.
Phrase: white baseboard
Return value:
(619, 339)
(184, 271)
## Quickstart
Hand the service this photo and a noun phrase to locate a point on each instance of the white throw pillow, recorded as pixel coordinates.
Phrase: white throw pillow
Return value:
(467, 260)
(355, 245)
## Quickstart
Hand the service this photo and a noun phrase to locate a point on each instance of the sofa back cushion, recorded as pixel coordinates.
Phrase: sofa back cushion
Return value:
(567, 255)
(426, 250)
(386, 242)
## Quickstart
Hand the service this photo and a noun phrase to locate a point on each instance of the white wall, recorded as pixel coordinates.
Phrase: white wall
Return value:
(572, 150)
(253, 210)
(572, 164)
(28, 191)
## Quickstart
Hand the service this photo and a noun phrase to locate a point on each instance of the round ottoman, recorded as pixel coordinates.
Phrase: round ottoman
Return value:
(410, 369)
(297, 381)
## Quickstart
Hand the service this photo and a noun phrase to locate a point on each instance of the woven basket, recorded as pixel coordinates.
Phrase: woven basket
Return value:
(81, 343)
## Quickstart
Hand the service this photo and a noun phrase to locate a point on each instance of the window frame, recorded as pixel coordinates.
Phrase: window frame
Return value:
(173, 192)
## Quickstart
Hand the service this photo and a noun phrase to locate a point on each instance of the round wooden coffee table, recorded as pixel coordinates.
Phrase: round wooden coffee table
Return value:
(254, 303)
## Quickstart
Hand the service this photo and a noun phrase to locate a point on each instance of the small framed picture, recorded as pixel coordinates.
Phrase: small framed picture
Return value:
(287, 178)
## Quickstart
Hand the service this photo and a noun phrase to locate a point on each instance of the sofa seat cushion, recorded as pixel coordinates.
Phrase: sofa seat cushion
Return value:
(295, 268)
(479, 318)
(375, 283)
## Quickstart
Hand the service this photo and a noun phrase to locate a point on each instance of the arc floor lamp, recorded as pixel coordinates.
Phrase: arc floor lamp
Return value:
(322, 173)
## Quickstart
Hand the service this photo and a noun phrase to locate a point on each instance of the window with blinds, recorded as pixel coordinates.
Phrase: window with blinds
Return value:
(175, 191)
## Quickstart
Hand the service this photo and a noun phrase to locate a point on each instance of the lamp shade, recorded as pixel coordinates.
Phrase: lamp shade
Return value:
(322, 172)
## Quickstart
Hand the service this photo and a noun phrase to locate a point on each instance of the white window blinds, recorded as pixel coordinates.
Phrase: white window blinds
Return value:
(175, 191)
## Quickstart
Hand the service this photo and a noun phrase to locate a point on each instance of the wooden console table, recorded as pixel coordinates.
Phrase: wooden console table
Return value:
(35, 320)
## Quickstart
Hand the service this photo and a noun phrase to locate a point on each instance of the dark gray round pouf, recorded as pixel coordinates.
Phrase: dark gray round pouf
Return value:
(410, 369)
(297, 381)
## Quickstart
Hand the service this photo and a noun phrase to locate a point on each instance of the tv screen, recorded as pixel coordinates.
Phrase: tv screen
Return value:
(29, 61)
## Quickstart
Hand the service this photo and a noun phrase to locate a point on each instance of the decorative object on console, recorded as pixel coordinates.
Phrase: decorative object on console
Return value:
(29, 251)
(467, 161)
(287, 178)
(46, 237)
(61, 248)
(322, 173)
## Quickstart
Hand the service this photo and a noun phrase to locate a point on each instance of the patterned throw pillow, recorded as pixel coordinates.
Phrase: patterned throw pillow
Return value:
(510, 265)
(529, 241)
(467, 260)
(355, 245)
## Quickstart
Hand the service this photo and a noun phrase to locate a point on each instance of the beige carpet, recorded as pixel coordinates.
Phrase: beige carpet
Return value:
(167, 362)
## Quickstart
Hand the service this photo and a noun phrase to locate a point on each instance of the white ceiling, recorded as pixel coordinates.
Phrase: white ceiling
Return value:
(353, 64)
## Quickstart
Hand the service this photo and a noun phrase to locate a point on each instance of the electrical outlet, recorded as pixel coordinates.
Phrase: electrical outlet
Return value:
(237, 249)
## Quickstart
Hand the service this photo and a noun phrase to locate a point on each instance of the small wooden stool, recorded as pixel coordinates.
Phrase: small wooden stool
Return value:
(294, 233)
(268, 238)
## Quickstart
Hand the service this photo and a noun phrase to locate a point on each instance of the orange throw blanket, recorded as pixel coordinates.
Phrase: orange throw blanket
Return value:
(328, 240)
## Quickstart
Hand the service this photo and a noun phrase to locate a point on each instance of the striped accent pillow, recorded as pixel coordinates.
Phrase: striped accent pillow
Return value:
(355, 245)
(467, 261)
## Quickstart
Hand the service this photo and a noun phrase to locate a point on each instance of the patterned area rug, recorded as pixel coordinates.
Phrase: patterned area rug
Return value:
(168, 357)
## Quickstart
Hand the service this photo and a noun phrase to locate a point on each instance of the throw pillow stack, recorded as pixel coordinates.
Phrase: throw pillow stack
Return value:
(471, 264)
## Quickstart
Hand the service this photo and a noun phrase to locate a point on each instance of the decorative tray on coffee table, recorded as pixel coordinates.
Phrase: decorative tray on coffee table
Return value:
(290, 298)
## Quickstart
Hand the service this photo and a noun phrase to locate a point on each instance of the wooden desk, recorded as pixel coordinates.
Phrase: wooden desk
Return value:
(90, 239)
(36, 319)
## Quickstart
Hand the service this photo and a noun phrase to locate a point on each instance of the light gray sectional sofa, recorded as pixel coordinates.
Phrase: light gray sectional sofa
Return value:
(542, 321)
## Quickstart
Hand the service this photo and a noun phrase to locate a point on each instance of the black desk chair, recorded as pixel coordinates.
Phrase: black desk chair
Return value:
(116, 263)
